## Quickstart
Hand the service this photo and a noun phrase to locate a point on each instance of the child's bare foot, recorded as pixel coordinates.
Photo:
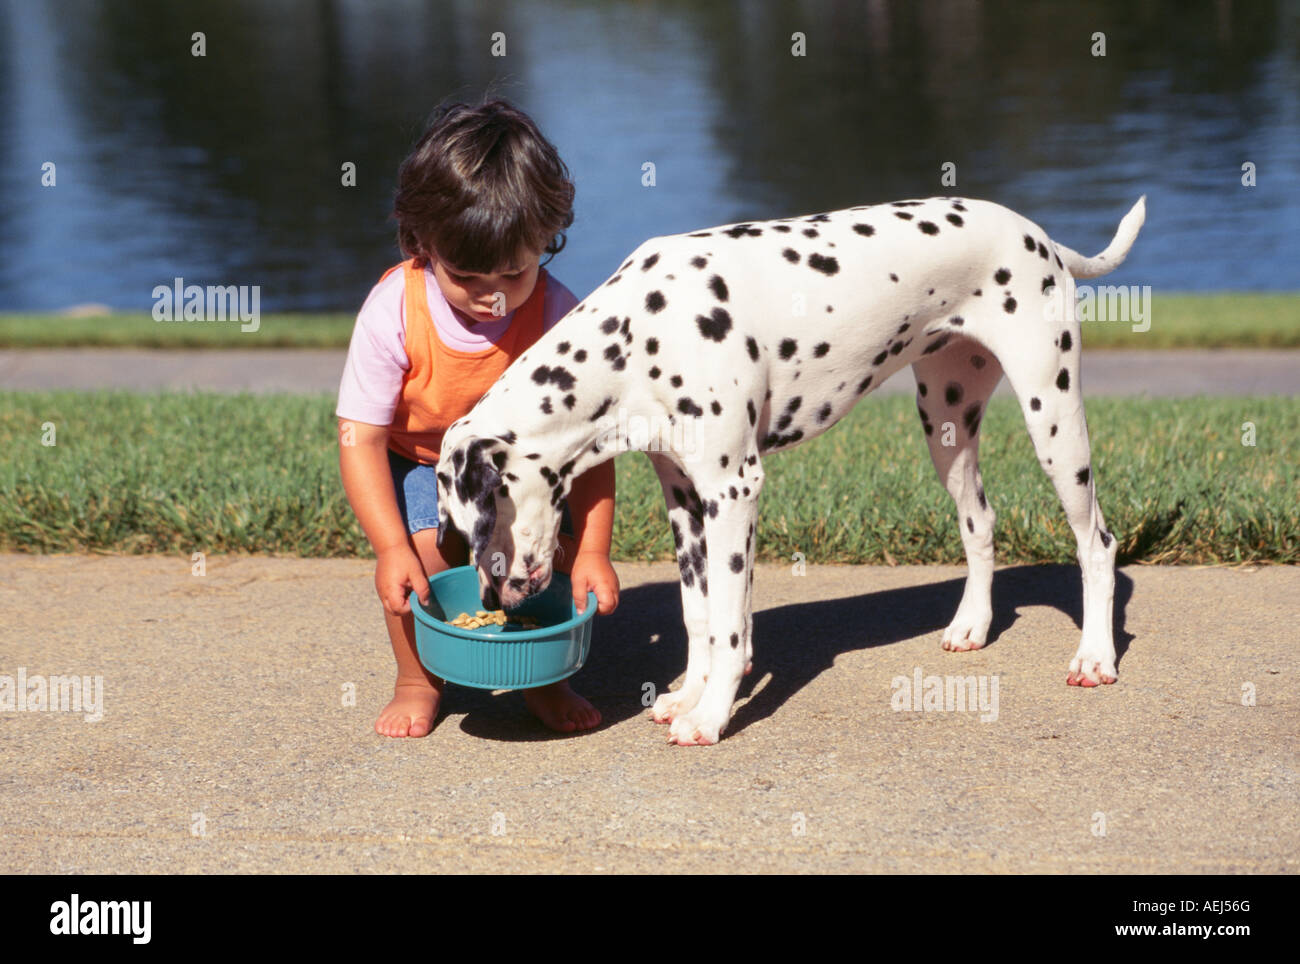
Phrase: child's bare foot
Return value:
(412, 711)
(560, 708)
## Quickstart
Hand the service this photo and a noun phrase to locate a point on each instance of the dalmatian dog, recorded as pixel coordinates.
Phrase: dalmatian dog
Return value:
(702, 331)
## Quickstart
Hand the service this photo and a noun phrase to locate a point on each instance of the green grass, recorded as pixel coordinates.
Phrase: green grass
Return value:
(219, 474)
(1224, 320)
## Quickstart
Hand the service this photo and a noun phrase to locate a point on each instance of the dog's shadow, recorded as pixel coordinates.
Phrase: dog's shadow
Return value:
(793, 643)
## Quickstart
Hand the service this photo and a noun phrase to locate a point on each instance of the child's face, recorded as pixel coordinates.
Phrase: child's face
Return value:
(487, 297)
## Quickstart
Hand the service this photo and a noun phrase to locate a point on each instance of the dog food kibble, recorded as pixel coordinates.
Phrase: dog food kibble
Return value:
(483, 618)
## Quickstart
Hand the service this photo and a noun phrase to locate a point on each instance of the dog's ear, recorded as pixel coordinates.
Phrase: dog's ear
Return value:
(480, 476)
(444, 490)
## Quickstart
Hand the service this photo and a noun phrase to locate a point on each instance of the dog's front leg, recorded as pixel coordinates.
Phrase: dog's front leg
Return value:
(686, 517)
(729, 548)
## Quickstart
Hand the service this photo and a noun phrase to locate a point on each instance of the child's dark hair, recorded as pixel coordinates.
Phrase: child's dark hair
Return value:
(482, 184)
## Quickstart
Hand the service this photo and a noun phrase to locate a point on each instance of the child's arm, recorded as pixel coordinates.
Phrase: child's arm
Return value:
(591, 503)
(363, 463)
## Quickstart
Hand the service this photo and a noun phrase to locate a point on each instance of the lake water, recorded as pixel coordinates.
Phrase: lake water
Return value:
(226, 168)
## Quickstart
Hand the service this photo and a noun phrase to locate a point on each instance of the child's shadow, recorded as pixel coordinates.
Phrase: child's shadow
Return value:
(793, 643)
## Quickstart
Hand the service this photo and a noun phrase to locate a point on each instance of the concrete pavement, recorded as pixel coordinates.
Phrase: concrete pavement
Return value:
(1169, 374)
(230, 742)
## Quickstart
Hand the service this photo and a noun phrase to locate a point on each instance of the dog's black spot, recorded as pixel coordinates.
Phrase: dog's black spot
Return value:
(971, 418)
(957, 320)
(827, 266)
(880, 359)
(1029, 243)
(604, 407)
(752, 347)
(955, 220)
(864, 384)
(1009, 306)
(787, 348)
(937, 343)
(1063, 380)
(562, 348)
(970, 523)
(654, 371)
(580, 355)
(953, 393)
(724, 460)
(783, 228)
(1042, 251)
(978, 292)
(791, 255)
(509, 438)
(560, 377)
(1002, 276)
(903, 214)
(569, 401)
(701, 234)
(731, 491)
(977, 361)
(1035, 404)
(546, 405)
(609, 325)
(676, 381)
(742, 231)
(1052, 434)
(654, 302)
(718, 287)
(652, 346)
(824, 412)
(1105, 537)
(688, 407)
(979, 493)
(699, 262)
(810, 233)
(820, 349)
(865, 230)
(1049, 283)
(1066, 341)
(904, 326)
(753, 415)
(1082, 476)
(650, 262)
(920, 387)
(737, 565)
(613, 351)
(533, 455)
(892, 276)
(716, 326)
(928, 227)
(735, 639)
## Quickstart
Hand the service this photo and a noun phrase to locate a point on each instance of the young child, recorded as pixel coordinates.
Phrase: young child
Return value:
(481, 198)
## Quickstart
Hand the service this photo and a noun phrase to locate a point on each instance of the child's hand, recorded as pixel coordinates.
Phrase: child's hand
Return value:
(397, 573)
(591, 570)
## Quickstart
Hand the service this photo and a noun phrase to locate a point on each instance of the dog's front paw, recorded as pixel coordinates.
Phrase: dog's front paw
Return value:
(967, 631)
(1085, 671)
(669, 706)
(695, 729)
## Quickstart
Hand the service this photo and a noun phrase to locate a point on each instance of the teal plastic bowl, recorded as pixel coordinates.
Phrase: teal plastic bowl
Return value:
(501, 657)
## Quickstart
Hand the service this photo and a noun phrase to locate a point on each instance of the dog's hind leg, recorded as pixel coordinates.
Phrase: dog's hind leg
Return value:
(952, 391)
(686, 517)
(1046, 381)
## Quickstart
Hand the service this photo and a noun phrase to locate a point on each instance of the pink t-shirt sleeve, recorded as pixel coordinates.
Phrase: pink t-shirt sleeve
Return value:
(376, 363)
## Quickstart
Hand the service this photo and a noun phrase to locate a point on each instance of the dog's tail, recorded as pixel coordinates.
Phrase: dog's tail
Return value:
(1115, 252)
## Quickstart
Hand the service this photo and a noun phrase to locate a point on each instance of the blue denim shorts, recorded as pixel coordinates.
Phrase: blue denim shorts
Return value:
(416, 485)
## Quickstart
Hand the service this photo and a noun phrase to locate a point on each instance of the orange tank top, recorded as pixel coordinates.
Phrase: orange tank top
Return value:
(442, 383)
